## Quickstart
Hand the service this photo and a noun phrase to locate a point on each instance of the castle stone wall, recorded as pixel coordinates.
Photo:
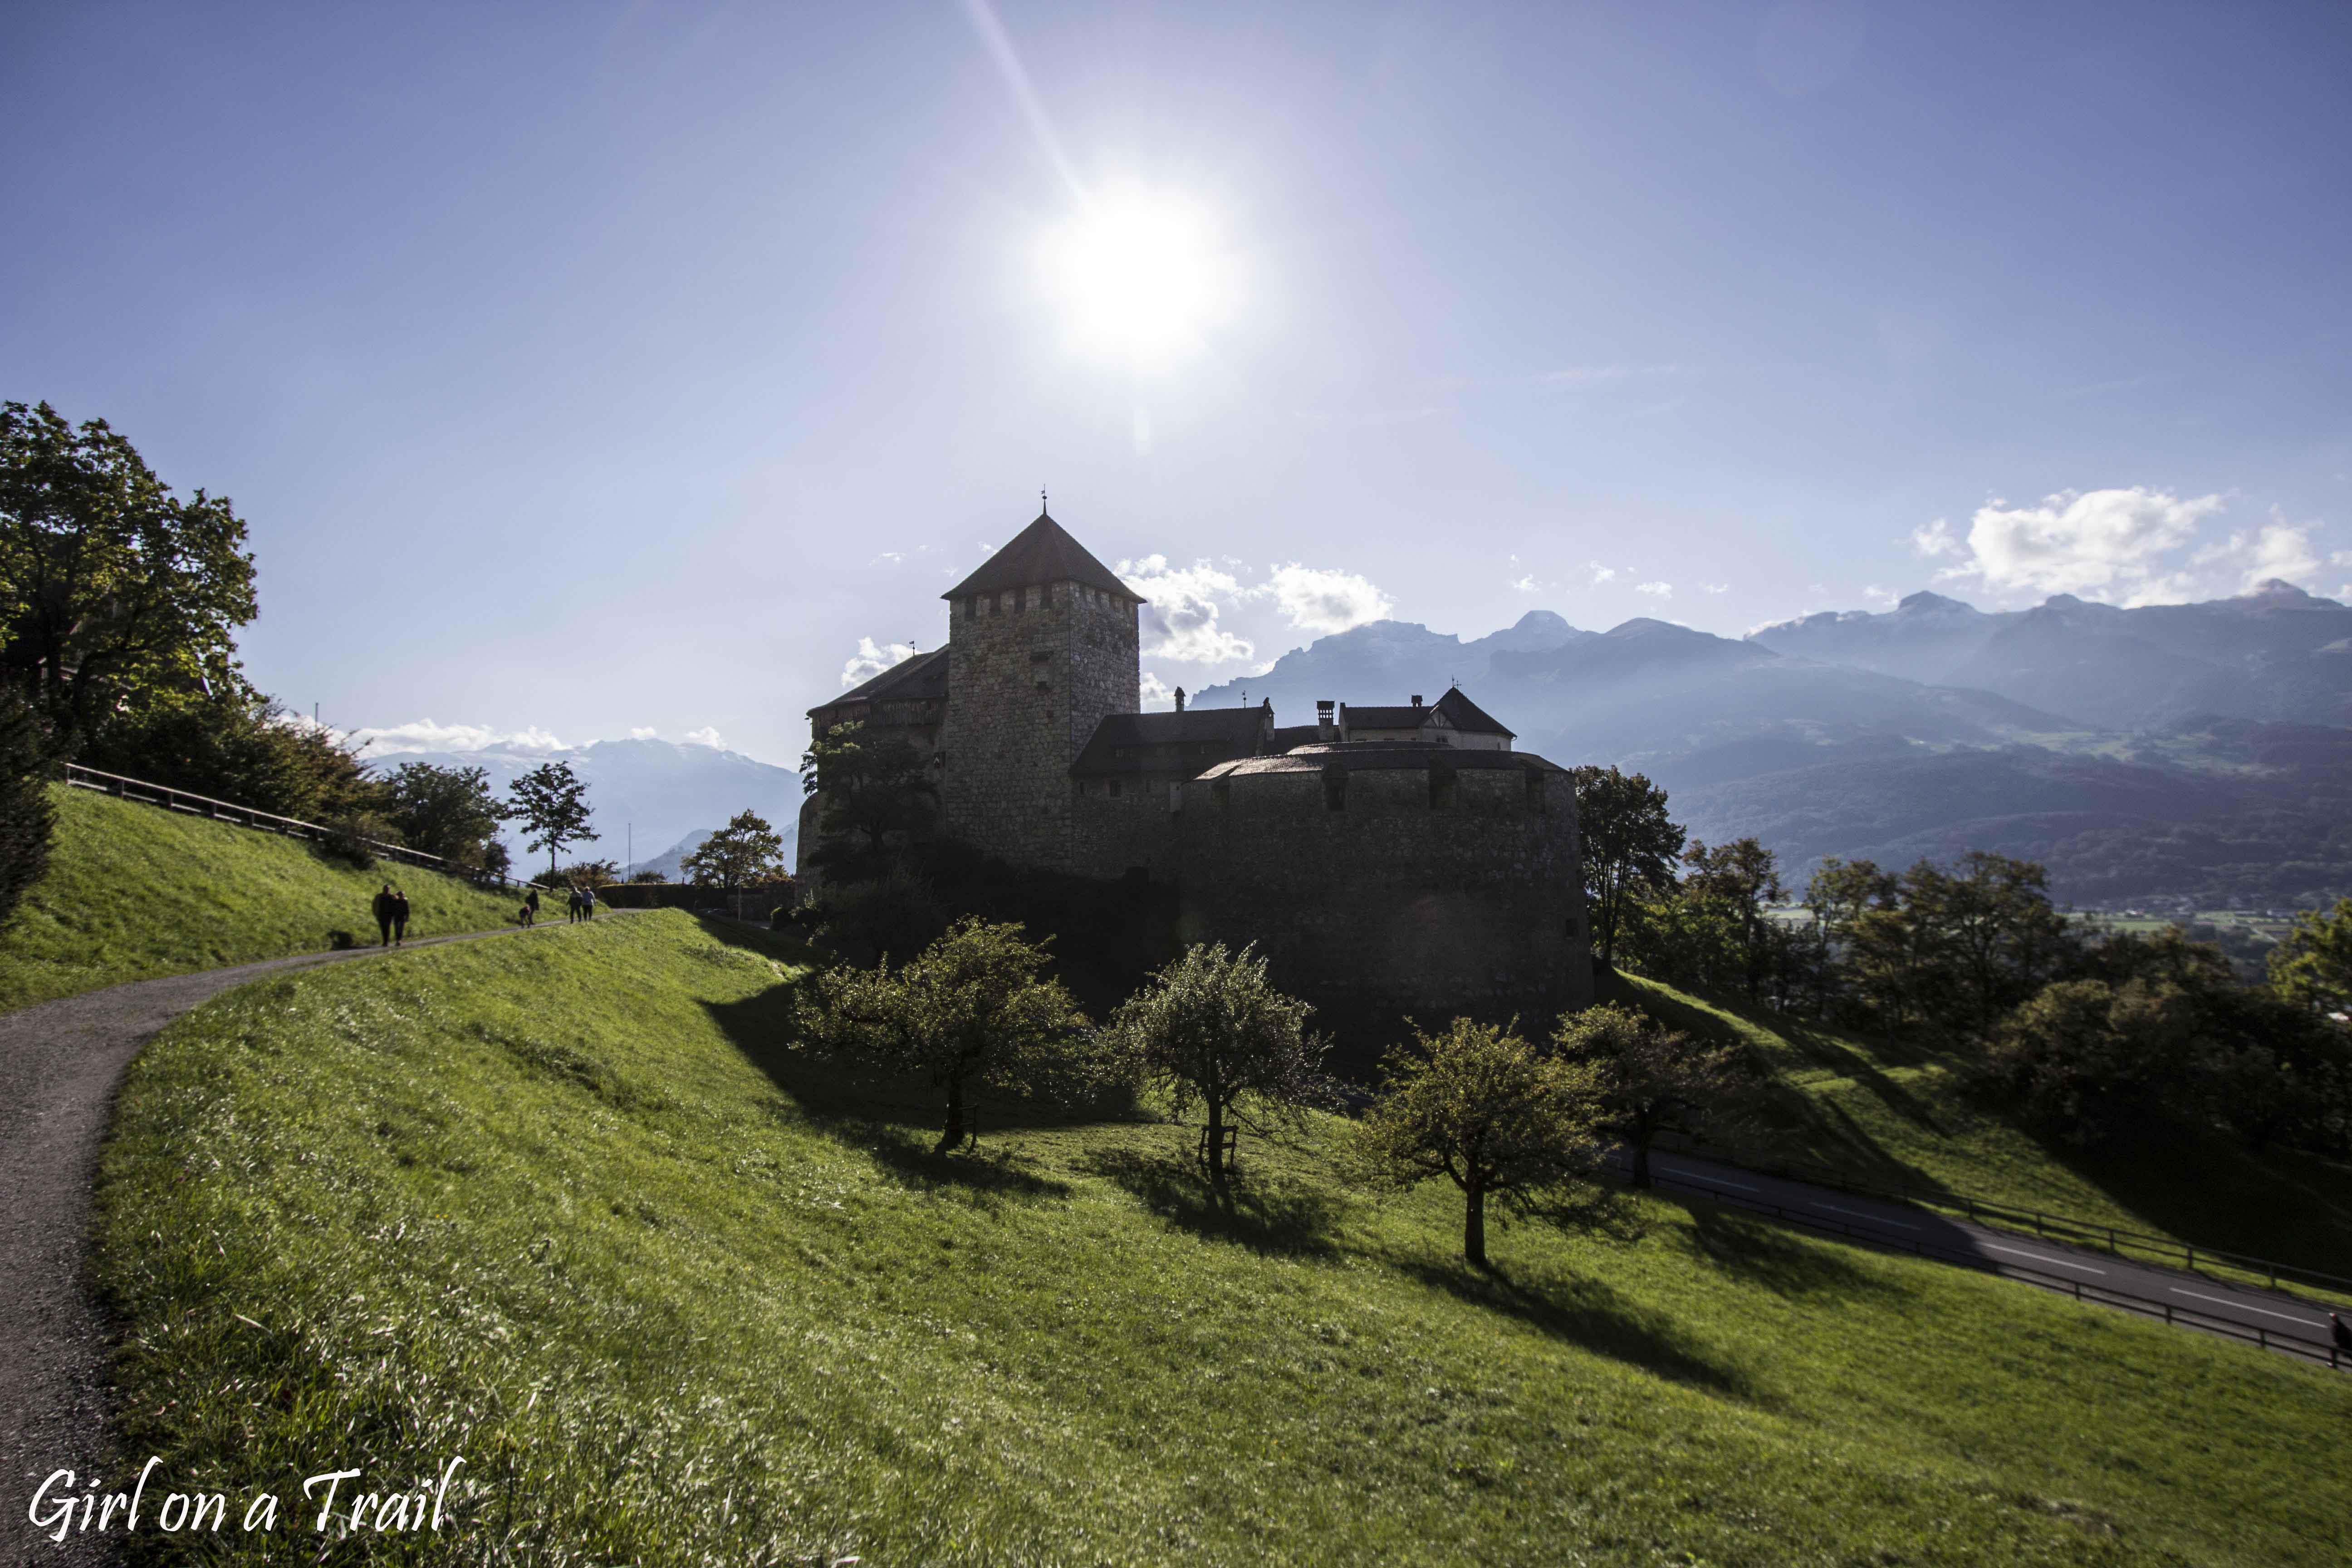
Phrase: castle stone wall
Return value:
(1031, 672)
(1406, 898)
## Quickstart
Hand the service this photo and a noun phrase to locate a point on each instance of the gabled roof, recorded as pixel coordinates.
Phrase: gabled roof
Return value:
(1407, 718)
(1229, 732)
(1468, 717)
(1042, 552)
(925, 675)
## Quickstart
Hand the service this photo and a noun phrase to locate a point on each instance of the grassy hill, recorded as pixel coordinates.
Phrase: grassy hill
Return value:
(134, 892)
(1899, 1115)
(677, 1295)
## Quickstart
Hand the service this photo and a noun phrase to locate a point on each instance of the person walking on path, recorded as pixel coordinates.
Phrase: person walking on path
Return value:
(399, 916)
(571, 907)
(383, 907)
(530, 907)
(587, 903)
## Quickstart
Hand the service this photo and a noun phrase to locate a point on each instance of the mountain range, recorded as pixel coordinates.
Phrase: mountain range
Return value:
(663, 797)
(2199, 752)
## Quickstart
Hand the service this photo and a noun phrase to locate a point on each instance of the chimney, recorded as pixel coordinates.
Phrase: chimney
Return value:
(1417, 700)
(1180, 699)
(1325, 730)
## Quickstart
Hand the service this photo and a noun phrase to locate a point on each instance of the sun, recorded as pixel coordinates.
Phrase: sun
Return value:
(1139, 274)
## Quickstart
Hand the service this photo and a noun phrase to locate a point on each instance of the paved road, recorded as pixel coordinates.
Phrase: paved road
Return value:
(2281, 1320)
(60, 1063)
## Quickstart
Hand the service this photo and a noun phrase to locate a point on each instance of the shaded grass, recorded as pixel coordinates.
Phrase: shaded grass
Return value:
(1900, 1114)
(134, 892)
(531, 1203)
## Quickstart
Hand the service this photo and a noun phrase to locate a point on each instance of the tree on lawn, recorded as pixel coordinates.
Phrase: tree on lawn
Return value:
(872, 786)
(111, 588)
(1629, 845)
(971, 1012)
(1650, 1077)
(1479, 1107)
(745, 852)
(448, 812)
(552, 805)
(1210, 1030)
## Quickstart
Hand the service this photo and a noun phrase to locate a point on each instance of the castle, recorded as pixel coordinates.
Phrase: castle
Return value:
(1398, 860)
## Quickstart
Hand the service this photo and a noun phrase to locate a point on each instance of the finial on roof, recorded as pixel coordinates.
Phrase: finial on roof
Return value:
(1042, 507)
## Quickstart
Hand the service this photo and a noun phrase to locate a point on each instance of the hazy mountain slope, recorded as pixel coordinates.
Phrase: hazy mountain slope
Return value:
(654, 792)
(2277, 654)
(1388, 661)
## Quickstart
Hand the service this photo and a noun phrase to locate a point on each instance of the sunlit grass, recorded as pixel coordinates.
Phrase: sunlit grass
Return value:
(1898, 1114)
(678, 1297)
(134, 892)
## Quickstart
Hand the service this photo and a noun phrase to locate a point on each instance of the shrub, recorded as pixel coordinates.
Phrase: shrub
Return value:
(350, 836)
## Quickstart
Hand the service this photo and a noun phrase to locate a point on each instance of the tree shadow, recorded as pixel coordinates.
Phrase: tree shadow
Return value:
(988, 1177)
(1759, 1250)
(1588, 1313)
(1266, 1214)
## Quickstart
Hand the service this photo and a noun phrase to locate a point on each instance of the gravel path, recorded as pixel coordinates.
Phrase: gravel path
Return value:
(61, 1064)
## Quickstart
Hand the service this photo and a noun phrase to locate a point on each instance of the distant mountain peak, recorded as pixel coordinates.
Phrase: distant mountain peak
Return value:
(2275, 588)
(1924, 603)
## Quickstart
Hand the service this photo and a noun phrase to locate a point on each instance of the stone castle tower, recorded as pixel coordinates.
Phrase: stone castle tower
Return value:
(1042, 646)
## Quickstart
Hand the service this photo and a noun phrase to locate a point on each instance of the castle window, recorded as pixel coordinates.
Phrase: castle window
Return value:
(1044, 687)
(1535, 792)
(1441, 789)
(1004, 604)
(1114, 789)
(1030, 597)
(1335, 789)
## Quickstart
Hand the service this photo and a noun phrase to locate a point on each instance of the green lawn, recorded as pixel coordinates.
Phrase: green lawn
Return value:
(678, 1297)
(134, 892)
(1899, 1115)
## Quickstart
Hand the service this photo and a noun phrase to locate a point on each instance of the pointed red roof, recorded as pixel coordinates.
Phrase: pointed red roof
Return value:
(1042, 552)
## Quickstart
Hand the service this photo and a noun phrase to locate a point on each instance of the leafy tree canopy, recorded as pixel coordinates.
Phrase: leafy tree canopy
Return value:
(871, 786)
(448, 812)
(110, 586)
(1629, 843)
(2313, 967)
(552, 803)
(974, 1011)
(745, 852)
(1651, 1079)
(1479, 1107)
(1210, 1030)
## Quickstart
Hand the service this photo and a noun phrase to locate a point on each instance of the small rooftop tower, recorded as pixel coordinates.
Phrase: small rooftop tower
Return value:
(1040, 648)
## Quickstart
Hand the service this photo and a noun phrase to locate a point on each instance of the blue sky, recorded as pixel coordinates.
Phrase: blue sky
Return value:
(587, 369)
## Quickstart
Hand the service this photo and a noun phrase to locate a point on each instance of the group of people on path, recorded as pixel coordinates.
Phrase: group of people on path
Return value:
(580, 906)
(391, 916)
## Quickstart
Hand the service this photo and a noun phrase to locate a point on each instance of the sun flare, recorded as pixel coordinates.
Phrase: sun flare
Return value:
(1140, 276)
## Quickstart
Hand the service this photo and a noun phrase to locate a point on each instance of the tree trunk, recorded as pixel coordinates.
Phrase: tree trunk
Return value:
(1473, 1225)
(953, 1134)
(1641, 1142)
(1216, 1143)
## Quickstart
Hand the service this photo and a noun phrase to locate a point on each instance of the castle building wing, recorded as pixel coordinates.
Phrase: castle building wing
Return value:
(1468, 717)
(1126, 744)
(924, 676)
(1042, 552)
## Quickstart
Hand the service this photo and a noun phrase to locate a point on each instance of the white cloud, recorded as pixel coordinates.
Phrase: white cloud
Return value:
(706, 736)
(892, 556)
(2341, 558)
(1181, 608)
(1325, 600)
(1526, 584)
(2279, 551)
(1157, 694)
(1655, 590)
(1884, 596)
(425, 735)
(870, 661)
(2100, 543)
(645, 733)
(1934, 540)
(1714, 587)
(1601, 573)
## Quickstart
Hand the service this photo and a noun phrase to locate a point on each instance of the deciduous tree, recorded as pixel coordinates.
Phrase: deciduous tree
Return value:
(871, 786)
(553, 805)
(1629, 845)
(111, 587)
(2313, 967)
(1479, 1107)
(1210, 1030)
(26, 819)
(448, 812)
(974, 1011)
(745, 852)
(1651, 1079)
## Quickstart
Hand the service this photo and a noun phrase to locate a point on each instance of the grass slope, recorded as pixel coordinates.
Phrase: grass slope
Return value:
(1900, 1115)
(135, 891)
(678, 1297)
